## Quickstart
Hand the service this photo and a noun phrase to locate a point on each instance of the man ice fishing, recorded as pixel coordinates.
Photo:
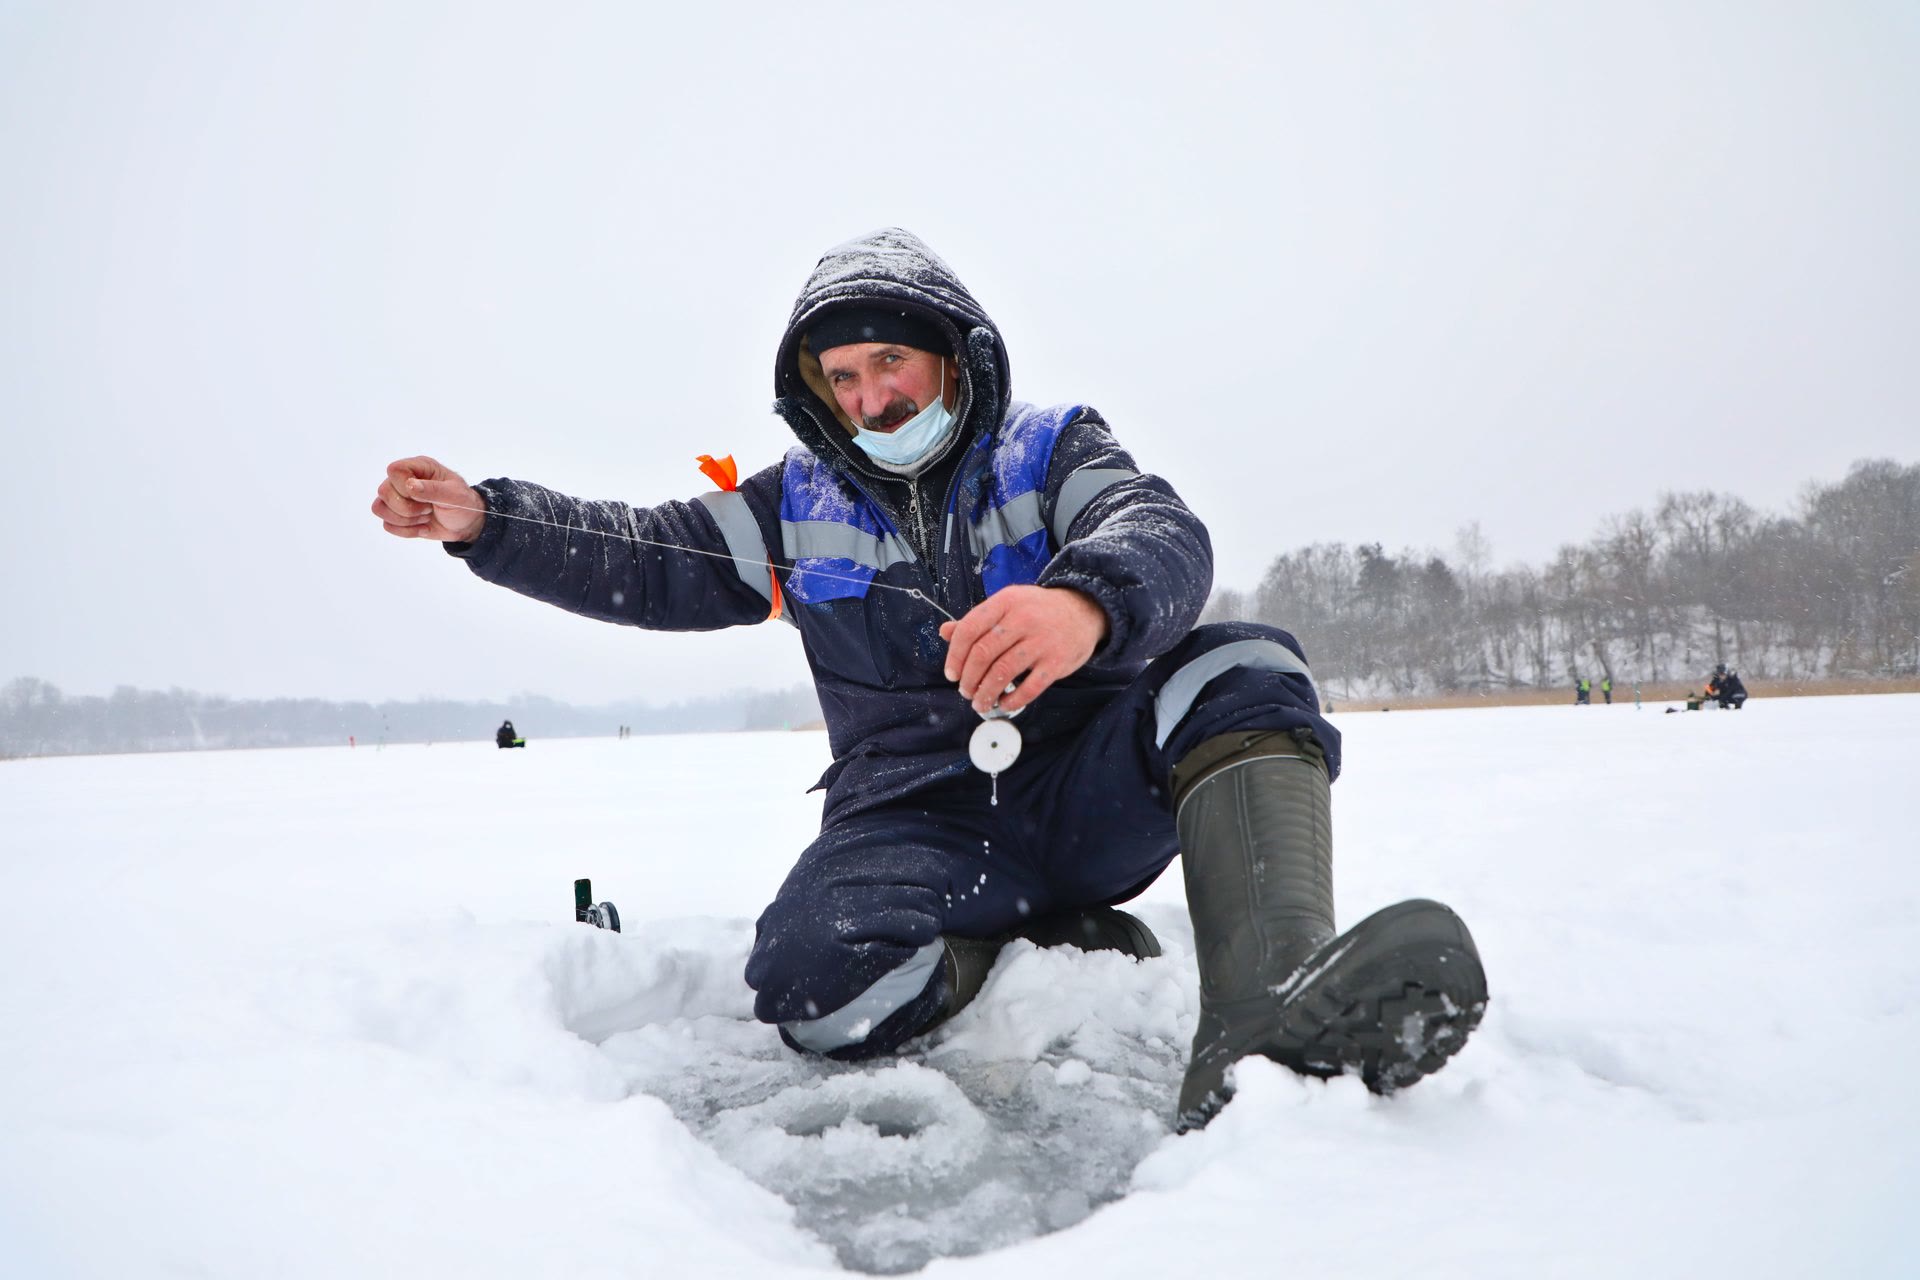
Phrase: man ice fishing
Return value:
(948, 553)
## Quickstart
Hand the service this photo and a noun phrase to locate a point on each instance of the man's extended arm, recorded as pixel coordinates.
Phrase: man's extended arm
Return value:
(667, 567)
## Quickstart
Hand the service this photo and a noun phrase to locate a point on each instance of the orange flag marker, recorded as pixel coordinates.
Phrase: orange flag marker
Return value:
(720, 470)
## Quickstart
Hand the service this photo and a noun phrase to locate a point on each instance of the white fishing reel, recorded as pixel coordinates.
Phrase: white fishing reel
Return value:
(995, 743)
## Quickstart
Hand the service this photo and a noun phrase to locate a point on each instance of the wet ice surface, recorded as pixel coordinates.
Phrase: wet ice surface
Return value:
(1018, 1118)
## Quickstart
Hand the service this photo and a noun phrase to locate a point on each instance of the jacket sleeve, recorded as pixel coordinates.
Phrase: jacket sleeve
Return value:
(679, 566)
(1125, 539)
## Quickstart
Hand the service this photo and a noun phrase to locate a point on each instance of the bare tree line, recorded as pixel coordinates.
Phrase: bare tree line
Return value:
(1830, 592)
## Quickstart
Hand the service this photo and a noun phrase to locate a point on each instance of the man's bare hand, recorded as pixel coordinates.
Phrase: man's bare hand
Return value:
(1042, 633)
(422, 499)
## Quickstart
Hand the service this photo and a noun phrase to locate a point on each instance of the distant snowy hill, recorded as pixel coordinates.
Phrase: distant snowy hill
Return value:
(324, 1013)
(37, 719)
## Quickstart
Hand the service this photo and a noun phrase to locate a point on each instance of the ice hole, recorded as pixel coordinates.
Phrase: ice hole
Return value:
(888, 1116)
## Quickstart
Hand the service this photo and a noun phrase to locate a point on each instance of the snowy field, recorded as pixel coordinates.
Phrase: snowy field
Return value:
(324, 1013)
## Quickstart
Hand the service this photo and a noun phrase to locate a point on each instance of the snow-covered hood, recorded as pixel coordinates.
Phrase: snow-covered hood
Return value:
(895, 268)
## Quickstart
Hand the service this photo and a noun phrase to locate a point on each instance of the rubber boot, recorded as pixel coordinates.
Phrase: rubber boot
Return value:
(1393, 997)
(1093, 929)
(969, 960)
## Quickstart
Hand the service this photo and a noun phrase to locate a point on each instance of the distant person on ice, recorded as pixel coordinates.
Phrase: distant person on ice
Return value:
(1073, 575)
(504, 736)
(1724, 687)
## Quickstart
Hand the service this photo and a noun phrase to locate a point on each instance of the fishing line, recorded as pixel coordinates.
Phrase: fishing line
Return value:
(995, 743)
(915, 592)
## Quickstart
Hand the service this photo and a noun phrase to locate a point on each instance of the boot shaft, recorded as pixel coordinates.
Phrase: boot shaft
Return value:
(1255, 821)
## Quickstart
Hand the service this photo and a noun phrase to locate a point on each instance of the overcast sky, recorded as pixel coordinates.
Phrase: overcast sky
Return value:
(1340, 272)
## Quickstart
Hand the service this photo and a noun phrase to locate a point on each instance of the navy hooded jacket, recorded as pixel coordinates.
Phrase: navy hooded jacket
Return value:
(1023, 495)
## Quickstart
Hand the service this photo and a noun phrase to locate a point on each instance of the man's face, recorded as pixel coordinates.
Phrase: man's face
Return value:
(881, 384)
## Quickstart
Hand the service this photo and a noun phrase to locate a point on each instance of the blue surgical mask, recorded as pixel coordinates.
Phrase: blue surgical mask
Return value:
(914, 439)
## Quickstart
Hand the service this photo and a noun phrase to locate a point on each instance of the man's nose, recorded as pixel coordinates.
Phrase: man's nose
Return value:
(875, 396)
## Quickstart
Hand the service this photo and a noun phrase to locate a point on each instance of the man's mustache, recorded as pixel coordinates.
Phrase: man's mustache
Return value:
(896, 412)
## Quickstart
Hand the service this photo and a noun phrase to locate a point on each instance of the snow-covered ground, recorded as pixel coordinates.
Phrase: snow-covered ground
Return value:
(325, 1013)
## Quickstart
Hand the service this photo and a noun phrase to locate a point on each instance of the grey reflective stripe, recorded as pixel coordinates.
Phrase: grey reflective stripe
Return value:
(1004, 526)
(742, 532)
(829, 539)
(855, 1021)
(1082, 487)
(1176, 696)
(749, 550)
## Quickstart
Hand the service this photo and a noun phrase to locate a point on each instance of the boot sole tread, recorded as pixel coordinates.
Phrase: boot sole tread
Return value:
(1397, 997)
(1393, 1036)
(1395, 1006)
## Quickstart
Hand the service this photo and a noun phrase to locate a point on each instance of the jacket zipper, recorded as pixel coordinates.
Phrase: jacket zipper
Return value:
(936, 538)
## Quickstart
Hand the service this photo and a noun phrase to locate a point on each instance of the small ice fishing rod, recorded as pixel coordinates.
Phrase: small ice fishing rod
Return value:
(915, 592)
